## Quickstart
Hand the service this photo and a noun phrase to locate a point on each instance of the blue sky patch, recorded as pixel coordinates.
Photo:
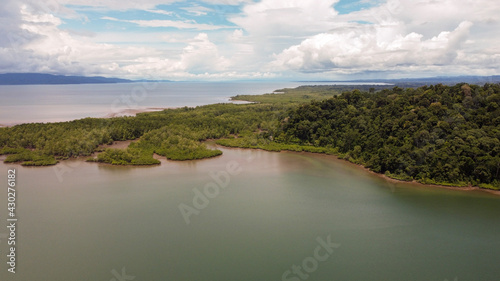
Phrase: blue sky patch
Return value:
(191, 12)
(251, 39)
(349, 6)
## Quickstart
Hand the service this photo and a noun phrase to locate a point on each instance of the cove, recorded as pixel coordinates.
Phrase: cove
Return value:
(101, 222)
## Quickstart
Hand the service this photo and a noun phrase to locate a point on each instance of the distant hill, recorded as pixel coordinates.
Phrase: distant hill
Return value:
(417, 82)
(49, 79)
(447, 80)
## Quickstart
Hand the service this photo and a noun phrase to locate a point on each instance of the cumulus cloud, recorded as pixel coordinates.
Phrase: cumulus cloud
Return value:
(201, 55)
(270, 38)
(272, 25)
(402, 36)
(282, 18)
(38, 45)
(198, 57)
(368, 48)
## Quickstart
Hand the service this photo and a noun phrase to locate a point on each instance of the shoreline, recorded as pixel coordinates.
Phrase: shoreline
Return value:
(134, 112)
(413, 182)
(121, 113)
(360, 167)
(419, 184)
(236, 101)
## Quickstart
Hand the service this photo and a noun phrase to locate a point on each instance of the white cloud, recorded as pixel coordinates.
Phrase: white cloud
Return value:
(227, 2)
(201, 55)
(405, 36)
(37, 44)
(170, 23)
(138, 5)
(198, 57)
(161, 12)
(271, 37)
(197, 10)
(236, 35)
(369, 48)
(119, 5)
(286, 17)
(269, 26)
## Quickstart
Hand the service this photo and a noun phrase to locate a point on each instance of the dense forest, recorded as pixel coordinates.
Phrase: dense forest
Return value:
(175, 133)
(433, 134)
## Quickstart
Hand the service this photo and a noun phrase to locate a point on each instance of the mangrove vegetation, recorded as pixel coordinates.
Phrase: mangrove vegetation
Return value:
(432, 134)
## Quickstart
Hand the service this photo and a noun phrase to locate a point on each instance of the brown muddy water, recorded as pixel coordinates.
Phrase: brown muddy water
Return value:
(246, 215)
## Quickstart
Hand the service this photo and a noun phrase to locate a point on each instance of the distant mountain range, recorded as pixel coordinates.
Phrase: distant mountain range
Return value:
(417, 82)
(49, 79)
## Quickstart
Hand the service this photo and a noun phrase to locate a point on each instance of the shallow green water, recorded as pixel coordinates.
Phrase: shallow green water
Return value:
(86, 221)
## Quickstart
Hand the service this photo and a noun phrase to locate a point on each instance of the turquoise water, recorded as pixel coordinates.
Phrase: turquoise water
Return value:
(270, 212)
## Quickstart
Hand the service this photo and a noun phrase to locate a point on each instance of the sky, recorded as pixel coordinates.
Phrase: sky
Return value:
(250, 39)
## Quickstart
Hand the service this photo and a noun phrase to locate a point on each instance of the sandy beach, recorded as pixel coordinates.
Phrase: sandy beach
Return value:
(134, 112)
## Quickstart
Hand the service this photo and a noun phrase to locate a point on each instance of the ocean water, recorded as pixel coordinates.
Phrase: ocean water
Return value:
(53, 103)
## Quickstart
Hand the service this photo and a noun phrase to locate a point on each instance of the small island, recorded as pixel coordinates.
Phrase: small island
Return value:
(444, 135)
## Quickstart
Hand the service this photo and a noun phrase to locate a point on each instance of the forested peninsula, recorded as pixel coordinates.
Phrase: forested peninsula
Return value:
(447, 135)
